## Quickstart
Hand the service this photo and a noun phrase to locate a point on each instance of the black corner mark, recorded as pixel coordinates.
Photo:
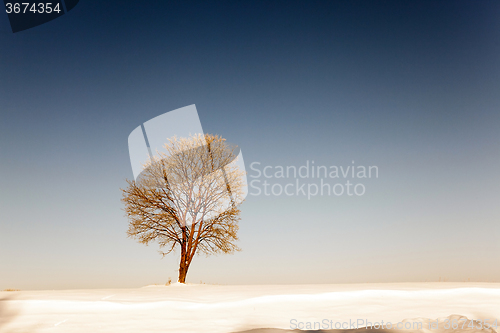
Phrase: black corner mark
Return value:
(28, 14)
(70, 4)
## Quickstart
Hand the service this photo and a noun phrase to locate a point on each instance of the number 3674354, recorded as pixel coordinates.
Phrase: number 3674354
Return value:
(32, 8)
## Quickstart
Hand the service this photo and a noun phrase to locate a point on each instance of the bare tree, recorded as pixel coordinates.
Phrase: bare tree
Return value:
(187, 197)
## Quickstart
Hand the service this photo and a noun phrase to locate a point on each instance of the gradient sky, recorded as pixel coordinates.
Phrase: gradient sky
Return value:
(412, 87)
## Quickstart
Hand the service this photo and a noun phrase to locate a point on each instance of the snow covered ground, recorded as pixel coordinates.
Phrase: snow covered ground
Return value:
(220, 309)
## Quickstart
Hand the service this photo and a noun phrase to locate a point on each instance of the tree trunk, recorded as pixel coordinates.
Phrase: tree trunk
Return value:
(184, 263)
(182, 274)
(183, 269)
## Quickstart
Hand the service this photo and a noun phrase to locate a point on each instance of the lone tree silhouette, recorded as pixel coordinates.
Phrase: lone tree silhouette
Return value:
(187, 198)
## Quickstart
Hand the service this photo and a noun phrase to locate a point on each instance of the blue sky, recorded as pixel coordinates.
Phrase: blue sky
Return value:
(409, 87)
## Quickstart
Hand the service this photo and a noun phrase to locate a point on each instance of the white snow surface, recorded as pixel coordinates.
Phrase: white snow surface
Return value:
(235, 308)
